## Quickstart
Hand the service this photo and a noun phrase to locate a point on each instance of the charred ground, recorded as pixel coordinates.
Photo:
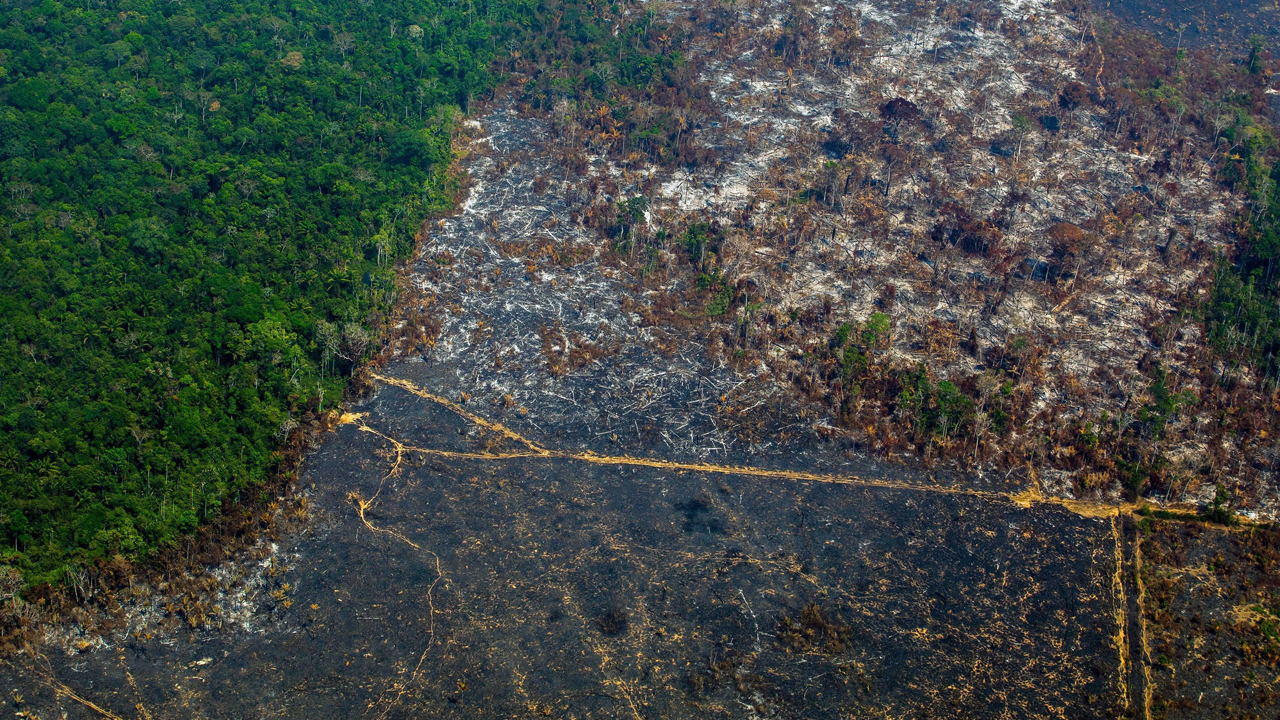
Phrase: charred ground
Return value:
(438, 585)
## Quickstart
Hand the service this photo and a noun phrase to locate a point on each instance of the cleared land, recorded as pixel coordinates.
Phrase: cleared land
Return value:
(461, 585)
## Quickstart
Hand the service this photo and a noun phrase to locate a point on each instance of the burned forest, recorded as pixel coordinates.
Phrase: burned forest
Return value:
(953, 237)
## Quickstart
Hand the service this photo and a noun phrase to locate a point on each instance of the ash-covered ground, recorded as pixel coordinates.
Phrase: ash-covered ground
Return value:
(958, 169)
(1228, 25)
(533, 324)
(557, 587)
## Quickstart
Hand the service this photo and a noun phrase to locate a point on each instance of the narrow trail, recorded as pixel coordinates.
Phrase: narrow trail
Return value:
(1128, 606)
(1122, 614)
(492, 426)
(386, 703)
(47, 677)
(1025, 498)
(1143, 680)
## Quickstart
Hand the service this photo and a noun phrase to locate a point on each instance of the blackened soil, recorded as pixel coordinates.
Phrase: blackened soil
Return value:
(533, 587)
(1213, 619)
(1204, 23)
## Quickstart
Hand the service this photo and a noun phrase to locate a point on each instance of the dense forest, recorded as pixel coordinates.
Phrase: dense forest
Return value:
(204, 204)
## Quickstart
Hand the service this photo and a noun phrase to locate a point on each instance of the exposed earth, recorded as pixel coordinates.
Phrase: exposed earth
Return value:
(446, 583)
(1227, 25)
